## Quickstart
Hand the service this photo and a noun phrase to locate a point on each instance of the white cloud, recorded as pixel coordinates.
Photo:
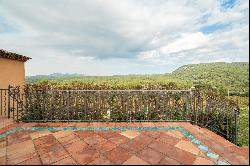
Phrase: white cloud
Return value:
(185, 42)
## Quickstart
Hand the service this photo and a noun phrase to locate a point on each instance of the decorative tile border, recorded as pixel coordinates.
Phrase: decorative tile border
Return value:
(202, 147)
(184, 132)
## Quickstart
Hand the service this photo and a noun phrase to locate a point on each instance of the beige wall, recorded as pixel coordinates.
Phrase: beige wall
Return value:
(11, 73)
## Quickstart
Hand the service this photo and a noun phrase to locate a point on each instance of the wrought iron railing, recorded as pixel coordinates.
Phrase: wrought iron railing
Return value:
(107, 105)
(195, 106)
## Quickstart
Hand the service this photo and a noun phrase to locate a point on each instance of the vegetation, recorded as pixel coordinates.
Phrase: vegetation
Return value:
(222, 76)
(243, 133)
(219, 76)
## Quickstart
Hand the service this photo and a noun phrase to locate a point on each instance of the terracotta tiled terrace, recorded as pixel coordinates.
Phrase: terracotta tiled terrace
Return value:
(121, 143)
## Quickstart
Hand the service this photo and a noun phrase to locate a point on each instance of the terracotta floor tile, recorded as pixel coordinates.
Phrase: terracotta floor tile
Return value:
(111, 124)
(84, 134)
(76, 146)
(66, 161)
(123, 124)
(3, 152)
(104, 147)
(175, 133)
(20, 157)
(245, 148)
(46, 148)
(68, 139)
(40, 143)
(132, 146)
(181, 156)
(61, 134)
(130, 134)
(29, 124)
(70, 124)
(83, 124)
(3, 160)
(27, 132)
(169, 161)
(55, 124)
(108, 134)
(48, 139)
(18, 137)
(3, 144)
(31, 161)
(21, 139)
(153, 134)
(149, 155)
(235, 159)
(117, 155)
(97, 124)
(188, 146)
(134, 124)
(39, 134)
(147, 124)
(202, 161)
(174, 124)
(216, 137)
(161, 147)
(60, 124)
(54, 155)
(239, 150)
(134, 160)
(168, 139)
(94, 139)
(53, 131)
(158, 124)
(19, 147)
(100, 161)
(144, 139)
(119, 139)
(85, 156)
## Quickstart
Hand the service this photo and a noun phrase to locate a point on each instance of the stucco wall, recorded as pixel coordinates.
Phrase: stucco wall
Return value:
(11, 73)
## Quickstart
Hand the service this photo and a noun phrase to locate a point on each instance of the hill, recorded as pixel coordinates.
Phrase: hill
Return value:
(222, 76)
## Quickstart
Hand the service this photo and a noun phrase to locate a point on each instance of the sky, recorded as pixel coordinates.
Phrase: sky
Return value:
(118, 37)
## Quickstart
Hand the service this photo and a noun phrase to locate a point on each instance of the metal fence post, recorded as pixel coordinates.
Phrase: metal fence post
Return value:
(235, 125)
(192, 89)
(9, 101)
(68, 105)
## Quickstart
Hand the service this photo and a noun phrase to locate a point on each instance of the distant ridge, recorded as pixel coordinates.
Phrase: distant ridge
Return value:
(53, 76)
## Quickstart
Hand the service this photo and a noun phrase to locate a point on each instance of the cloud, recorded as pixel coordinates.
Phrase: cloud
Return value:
(230, 45)
(177, 48)
(136, 33)
(185, 42)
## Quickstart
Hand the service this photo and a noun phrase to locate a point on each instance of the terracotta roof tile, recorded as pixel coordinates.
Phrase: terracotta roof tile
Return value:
(14, 56)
